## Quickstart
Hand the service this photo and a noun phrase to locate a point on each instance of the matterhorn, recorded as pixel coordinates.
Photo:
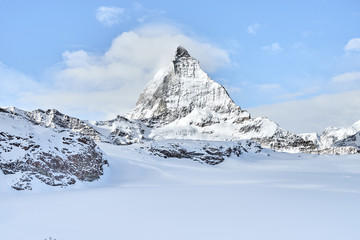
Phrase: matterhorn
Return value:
(183, 89)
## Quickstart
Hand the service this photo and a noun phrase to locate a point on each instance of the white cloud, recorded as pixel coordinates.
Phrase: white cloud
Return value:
(253, 28)
(346, 77)
(315, 114)
(275, 47)
(110, 83)
(353, 45)
(109, 16)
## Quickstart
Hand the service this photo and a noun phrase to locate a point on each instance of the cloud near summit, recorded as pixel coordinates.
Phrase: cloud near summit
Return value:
(110, 83)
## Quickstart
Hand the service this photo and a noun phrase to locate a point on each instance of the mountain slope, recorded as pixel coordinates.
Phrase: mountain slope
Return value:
(337, 140)
(184, 87)
(54, 155)
(183, 102)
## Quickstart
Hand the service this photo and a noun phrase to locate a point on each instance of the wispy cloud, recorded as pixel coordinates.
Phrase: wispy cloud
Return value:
(276, 91)
(253, 28)
(353, 45)
(298, 45)
(144, 14)
(314, 114)
(297, 94)
(109, 16)
(13, 85)
(275, 47)
(104, 85)
(346, 77)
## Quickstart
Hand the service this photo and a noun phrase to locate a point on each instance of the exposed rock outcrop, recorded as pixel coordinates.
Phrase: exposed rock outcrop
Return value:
(55, 156)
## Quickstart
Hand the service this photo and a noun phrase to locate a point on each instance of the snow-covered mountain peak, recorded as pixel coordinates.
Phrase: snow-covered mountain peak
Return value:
(183, 87)
(181, 52)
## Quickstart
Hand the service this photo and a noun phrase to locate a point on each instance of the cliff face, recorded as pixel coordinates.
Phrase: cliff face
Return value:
(178, 91)
(55, 154)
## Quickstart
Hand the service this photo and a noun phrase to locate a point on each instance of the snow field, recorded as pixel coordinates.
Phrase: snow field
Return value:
(140, 196)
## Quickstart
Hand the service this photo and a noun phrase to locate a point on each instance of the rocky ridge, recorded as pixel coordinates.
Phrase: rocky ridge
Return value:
(208, 152)
(54, 155)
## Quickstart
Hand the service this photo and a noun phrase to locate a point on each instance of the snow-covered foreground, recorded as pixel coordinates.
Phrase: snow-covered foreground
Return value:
(255, 196)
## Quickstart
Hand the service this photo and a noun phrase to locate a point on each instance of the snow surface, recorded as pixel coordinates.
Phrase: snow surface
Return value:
(140, 196)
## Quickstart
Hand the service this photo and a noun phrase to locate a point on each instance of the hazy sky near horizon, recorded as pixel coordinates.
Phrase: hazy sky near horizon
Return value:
(297, 62)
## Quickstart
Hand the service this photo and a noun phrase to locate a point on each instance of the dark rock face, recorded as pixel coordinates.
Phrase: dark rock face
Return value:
(211, 153)
(351, 141)
(287, 141)
(181, 52)
(55, 156)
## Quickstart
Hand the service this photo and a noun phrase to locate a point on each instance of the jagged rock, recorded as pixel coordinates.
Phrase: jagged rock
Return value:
(121, 131)
(208, 152)
(55, 156)
(52, 118)
(176, 92)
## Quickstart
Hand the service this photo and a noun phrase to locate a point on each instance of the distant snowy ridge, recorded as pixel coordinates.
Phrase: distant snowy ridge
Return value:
(337, 138)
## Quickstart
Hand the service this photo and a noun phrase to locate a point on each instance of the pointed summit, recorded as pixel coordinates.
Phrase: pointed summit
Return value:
(183, 89)
(181, 52)
(185, 65)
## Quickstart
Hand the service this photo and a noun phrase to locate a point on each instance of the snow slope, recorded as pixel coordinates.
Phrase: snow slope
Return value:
(141, 196)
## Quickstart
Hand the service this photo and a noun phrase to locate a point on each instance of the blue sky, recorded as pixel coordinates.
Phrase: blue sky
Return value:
(297, 62)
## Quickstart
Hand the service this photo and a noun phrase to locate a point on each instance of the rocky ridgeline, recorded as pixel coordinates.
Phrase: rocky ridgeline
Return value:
(54, 155)
(208, 152)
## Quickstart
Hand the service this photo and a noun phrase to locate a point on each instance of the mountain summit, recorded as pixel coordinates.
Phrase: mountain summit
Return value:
(182, 89)
(181, 52)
